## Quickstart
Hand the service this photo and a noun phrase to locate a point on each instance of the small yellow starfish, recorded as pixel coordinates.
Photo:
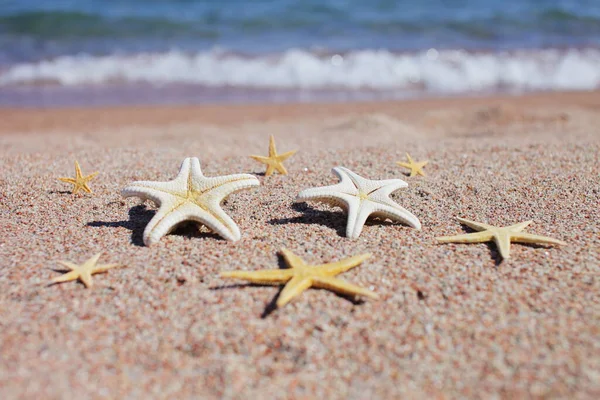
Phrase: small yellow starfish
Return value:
(301, 276)
(503, 236)
(85, 271)
(416, 168)
(274, 161)
(80, 181)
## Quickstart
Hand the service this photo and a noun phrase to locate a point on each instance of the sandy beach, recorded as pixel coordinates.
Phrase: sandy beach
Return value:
(452, 321)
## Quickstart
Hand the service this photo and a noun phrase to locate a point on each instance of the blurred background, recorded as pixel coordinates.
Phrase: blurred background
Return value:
(113, 52)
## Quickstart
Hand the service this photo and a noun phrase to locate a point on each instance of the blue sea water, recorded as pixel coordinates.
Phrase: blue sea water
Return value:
(404, 46)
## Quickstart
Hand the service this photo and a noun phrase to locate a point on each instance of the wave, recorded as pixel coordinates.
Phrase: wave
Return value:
(210, 22)
(431, 71)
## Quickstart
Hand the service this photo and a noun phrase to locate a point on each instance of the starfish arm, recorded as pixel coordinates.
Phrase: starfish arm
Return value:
(164, 221)
(90, 176)
(69, 265)
(395, 212)
(293, 288)
(358, 212)
(68, 180)
(86, 278)
(338, 267)
(391, 185)
(158, 192)
(520, 226)
(475, 237)
(262, 159)
(78, 173)
(367, 185)
(291, 259)
(524, 237)
(478, 226)
(330, 195)
(91, 262)
(343, 287)
(86, 188)
(502, 240)
(264, 276)
(403, 164)
(69, 276)
(286, 155)
(280, 168)
(410, 160)
(215, 218)
(105, 267)
(272, 147)
(222, 186)
(270, 169)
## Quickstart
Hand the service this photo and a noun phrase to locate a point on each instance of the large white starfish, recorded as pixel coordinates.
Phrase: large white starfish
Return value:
(360, 198)
(190, 197)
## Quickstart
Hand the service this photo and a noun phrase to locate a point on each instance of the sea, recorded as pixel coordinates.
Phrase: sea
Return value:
(115, 52)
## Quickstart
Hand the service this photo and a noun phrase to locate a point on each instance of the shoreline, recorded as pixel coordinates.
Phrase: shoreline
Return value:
(72, 119)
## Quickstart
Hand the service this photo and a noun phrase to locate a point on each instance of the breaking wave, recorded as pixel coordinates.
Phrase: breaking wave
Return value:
(443, 71)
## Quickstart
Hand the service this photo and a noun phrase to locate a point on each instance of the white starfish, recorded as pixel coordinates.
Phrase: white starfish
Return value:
(360, 198)
(190, 197)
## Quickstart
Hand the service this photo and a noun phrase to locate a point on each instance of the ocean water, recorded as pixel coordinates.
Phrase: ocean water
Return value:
(67, 52)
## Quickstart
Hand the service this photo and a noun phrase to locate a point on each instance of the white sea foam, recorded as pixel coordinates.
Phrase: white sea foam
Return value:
(443, 71)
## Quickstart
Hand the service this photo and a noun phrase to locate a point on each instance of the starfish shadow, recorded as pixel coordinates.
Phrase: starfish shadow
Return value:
(259, 173)
(59, 192)
(332, 219)
(139, 216)
(336, 220)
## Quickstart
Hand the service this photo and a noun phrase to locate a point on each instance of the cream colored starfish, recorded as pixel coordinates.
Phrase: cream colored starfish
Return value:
(300, 277)
(85, 271)
(274, 161)
(191, 196)
(502, 236)
(80, 182)
(360, 198)
(416, 168)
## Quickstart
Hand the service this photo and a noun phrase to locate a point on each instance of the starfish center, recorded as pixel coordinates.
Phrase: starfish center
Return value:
(363, 196)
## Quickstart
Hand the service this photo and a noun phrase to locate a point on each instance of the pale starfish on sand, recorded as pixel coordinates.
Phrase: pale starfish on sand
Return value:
(300, 276)
(416, 167)
(80, 182)
(274, 161)
(191, 196)
(502, 236)
(361, 198)
(85, 271)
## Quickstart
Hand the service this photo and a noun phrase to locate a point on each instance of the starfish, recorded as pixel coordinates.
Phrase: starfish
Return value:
(503, 236)
(274, 161)
(191, 196)
(80, 181)
(416, 168)
(361, 198)
(85, 271)
(300, 276)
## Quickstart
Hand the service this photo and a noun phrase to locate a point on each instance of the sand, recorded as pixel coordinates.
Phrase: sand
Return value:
(453, 321)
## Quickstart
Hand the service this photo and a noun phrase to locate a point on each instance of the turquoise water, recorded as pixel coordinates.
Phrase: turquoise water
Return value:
(300, 45)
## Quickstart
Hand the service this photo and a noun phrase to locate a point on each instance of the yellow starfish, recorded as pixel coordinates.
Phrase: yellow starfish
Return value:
(301, 276)
(85, 271)
(503, 236)
(416, 168)
(274, 161)
(80, 181)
